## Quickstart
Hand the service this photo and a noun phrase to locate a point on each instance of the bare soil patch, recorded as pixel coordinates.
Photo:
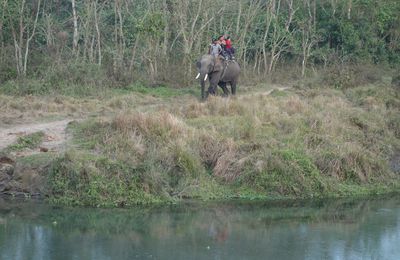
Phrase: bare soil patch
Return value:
(55, 135)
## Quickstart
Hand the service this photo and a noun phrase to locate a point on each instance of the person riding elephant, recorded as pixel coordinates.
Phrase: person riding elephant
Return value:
(215, 48)
(219, 71)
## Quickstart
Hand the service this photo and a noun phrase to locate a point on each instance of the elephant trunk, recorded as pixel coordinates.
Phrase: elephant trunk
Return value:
(202, 76)
(203, 85)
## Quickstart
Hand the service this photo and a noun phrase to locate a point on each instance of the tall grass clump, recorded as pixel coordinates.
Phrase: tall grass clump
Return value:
(154, 154)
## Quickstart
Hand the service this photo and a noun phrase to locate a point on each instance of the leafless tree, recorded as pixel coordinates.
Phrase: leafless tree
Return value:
(23, 32)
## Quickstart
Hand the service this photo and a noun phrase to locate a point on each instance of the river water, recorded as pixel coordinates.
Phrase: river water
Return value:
(328, 229)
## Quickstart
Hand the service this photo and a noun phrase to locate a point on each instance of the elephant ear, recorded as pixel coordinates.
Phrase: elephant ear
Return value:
(218, 64)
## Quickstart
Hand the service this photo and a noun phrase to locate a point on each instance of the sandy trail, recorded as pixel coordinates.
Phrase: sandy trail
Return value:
(55, 134)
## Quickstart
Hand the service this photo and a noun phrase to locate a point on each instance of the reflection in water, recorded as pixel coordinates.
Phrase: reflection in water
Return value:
(237, 230)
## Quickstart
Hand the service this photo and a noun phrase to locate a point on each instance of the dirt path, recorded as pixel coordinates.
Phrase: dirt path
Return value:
(264, 93)
(55, 134)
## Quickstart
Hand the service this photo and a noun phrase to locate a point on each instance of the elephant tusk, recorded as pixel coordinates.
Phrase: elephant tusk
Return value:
(205, 78)
(198, 75)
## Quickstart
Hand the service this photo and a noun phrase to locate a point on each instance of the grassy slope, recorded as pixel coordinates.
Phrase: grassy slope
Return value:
(148, 145)
(298, 143)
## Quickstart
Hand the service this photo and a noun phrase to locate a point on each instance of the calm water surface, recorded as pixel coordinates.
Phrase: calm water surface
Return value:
(335, 229)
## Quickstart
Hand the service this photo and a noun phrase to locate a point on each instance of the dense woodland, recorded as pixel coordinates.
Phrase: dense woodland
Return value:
(118, 42)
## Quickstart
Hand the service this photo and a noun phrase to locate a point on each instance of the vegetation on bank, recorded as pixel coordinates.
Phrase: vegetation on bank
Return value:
(319, 142)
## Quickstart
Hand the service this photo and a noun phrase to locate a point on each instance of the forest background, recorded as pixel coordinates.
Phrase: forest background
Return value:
(53, 46)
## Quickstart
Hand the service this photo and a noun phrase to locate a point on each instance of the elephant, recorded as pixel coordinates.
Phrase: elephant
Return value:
(220, 72)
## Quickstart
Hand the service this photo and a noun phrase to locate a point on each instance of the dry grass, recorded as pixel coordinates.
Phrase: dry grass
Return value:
(27, 109)
(221, 156)
(32, 108)
(159, 125)
(347, 140)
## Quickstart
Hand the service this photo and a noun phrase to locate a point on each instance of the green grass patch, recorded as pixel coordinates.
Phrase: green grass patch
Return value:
(84, 179)
(37, 160)
(29, 141)
(285, 173)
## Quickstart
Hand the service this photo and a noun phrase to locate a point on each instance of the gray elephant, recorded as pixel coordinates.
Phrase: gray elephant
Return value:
(219, 72)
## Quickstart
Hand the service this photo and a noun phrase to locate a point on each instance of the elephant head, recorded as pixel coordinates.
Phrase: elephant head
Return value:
(209, 67)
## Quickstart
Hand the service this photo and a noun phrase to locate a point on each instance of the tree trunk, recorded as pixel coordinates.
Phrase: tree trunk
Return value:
(268, 21)
(166, 32)
(30, 37)
(349, 5)
(1, 32)
(238, 18)
(133, 56)
(75, 21)
(96, 23)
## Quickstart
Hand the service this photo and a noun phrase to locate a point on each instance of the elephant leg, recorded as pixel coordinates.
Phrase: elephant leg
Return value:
(233, 87)
(213, 86)
(224, 88)
(214, 78)
(211, 90)
(202, 92)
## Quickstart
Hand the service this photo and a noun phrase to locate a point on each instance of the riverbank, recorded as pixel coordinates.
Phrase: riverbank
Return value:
(144, 145)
